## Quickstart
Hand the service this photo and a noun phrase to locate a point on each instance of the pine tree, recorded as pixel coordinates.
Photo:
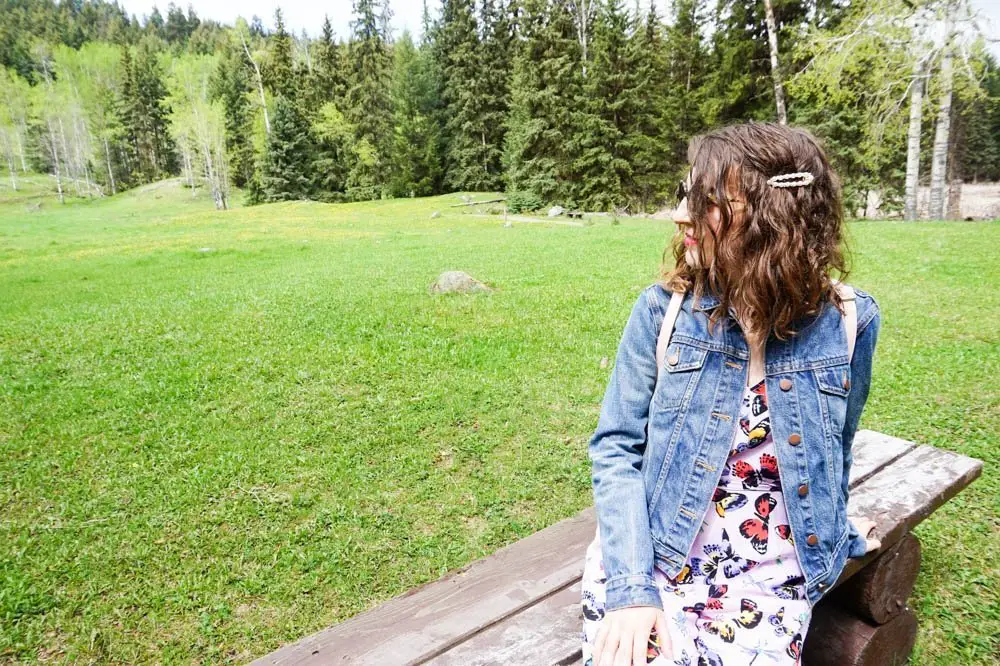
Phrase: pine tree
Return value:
(286, 169)
(685, 76)
(494, 64)
(539, 151)
(144, 117)
(416, 141)
(609, 107)
(369, 106)
(279, 72)
(327, 83)
(458, 45)
(654, 166)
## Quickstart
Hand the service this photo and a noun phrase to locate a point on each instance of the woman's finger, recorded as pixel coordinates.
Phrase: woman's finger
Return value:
(599, 640)
(609, 649)
(640, 646)
(623, 655)
(666, 646)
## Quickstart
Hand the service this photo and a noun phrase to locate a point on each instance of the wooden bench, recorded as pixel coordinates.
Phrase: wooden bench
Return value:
(521, 605)
(575, 213)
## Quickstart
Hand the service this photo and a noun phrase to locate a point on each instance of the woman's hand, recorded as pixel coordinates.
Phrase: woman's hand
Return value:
(867, 529)
(623, 638)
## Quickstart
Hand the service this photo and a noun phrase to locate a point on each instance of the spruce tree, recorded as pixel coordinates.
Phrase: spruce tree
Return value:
(654, 166)
(144, 116)
(459, 45)
(608, 110)
(286, 170)
(416, 138)
(539, 151)
(686, 101)
(494, 62)
(280, 74)
(369, 106)
(327, 82)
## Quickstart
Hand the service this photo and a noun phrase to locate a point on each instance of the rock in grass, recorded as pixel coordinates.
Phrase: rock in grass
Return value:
(458, 282)
(435, 215)
(556, 211)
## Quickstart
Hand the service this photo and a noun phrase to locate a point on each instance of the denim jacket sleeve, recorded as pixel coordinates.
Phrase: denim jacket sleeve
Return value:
(616, 450)
(869, 323)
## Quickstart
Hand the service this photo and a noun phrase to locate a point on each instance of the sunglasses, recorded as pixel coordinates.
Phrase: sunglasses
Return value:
(683, 191)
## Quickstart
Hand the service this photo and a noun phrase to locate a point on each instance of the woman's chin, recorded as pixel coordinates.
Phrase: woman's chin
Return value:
(691, 256)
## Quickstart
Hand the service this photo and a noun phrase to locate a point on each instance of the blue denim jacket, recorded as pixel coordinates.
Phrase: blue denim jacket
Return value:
(663, 438)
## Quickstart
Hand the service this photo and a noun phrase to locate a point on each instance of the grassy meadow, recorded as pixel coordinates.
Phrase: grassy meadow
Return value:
(221, 431)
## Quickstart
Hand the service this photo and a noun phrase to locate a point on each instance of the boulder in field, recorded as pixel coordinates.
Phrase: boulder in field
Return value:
(556, 211)
(458, 282)
(435, 215)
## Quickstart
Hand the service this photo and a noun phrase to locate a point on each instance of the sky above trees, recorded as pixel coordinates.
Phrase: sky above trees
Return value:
(302, 14)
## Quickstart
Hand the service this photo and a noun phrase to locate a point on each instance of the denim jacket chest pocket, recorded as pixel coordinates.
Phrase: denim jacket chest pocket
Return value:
(834, 384)
(678, 376)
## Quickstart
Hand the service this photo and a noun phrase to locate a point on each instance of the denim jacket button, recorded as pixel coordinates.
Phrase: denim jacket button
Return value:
(785, 384)
(812, 539)
(795, 439)
(803, 490)
(672, 359)
(821, 586)
(847, 384)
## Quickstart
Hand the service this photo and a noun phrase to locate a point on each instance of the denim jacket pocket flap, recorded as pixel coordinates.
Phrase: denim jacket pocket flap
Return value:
(682, 358)
(834, 379)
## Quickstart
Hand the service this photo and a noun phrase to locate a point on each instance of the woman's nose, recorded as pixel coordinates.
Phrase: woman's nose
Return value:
(680, 214)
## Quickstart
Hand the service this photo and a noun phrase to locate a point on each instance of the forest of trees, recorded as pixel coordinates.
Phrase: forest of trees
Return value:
(585, 103)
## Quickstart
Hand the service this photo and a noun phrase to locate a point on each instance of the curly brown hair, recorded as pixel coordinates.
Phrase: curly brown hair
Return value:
(774, 266)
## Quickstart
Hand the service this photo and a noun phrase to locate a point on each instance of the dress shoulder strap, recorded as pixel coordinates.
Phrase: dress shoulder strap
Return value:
(667, 327)
(850, 315)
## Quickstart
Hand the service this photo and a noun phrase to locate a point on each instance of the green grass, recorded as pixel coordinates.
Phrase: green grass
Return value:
(222, 431)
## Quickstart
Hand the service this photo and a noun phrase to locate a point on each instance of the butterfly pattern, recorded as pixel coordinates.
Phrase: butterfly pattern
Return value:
(740, 594)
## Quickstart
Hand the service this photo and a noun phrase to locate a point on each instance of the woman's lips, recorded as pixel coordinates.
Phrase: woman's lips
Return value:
(689, 241)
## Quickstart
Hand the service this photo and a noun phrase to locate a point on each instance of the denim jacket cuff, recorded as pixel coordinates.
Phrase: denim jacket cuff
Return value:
(857, 545)
(631, 590)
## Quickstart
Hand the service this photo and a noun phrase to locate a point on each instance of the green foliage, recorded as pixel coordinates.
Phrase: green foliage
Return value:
(544, 118)
(286, 172)
(334, 140)
(369, 105)
(232, 87)
(327, 82)
(520, 202)
(416, 148)
(279, 71)
(143, 114)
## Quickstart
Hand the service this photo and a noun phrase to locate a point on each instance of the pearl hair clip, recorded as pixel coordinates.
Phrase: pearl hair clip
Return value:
(791, 179)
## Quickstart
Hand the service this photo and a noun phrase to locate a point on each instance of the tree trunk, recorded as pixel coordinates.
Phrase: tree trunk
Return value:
(260, 85)
(583, 12)
(939, 159)
(111, 172)
(913, 139)
(772, 40)
(54, 145)
(9, 154)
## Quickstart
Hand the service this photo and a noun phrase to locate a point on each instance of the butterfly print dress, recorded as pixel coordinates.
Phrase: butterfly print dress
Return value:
(740, 598)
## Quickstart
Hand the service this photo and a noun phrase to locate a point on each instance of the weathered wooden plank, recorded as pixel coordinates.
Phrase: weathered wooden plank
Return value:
(546, 633)
(872, 451)
(431, 619)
